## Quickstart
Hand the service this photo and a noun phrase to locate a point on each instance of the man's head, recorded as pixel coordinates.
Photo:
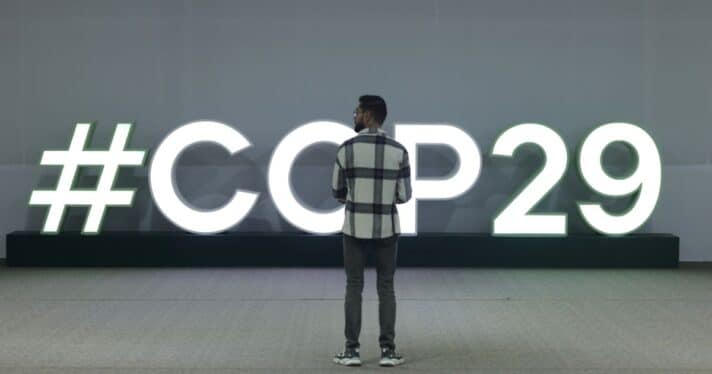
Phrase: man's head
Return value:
(371, 112)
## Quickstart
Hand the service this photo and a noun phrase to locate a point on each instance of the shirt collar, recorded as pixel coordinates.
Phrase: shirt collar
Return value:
(372, 131)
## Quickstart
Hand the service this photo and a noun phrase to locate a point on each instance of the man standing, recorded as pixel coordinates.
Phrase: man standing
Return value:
(371, 175)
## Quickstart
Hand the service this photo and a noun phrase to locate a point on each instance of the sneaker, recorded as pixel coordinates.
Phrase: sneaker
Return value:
(349, 357)
(389, 357)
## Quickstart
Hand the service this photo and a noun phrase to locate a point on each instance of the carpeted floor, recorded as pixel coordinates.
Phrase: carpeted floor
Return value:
(222, 320)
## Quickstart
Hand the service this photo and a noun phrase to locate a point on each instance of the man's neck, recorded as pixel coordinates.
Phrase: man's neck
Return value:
(372, 131)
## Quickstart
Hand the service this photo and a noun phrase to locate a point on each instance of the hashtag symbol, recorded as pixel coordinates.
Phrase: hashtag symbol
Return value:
(97, 199)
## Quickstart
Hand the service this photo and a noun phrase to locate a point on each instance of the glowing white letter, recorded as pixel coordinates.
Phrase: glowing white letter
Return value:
(455, 184)
(281, 166)
(161, 179)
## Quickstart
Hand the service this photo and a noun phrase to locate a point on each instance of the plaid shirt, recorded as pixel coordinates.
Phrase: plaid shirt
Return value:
(371, 175)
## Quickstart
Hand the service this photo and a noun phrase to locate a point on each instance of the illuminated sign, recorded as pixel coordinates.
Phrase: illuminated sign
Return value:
(513, 219)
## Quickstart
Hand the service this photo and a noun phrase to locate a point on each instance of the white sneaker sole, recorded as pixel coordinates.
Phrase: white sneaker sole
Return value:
(348, 361)
(391, 362)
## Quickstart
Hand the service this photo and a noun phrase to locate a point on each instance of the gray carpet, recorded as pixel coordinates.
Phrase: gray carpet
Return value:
(221, 320)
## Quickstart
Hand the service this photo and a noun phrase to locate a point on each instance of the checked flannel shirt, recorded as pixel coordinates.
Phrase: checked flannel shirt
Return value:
(371, 175)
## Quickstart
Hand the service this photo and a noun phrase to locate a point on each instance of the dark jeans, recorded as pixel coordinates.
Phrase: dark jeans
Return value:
(355, 254)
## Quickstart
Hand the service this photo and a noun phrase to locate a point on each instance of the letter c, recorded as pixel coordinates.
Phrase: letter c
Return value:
(163, 187)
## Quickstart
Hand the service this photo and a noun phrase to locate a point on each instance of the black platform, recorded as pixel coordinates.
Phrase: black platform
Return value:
(113, 248)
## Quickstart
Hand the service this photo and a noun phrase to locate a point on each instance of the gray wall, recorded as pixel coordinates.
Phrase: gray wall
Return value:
(266, 67)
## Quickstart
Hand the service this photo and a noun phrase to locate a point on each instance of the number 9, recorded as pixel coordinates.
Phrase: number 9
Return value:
(646, 177)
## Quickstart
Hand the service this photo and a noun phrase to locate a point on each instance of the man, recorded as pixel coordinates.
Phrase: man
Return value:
(371, 175)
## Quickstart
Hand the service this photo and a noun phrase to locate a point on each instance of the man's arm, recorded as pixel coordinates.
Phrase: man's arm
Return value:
(403, 188)
(338, 178)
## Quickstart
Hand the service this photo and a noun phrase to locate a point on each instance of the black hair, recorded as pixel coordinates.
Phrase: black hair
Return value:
(374, 104)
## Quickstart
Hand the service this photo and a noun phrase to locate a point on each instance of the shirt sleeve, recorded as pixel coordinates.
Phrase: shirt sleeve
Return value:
(338, 178)
(403, 187)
